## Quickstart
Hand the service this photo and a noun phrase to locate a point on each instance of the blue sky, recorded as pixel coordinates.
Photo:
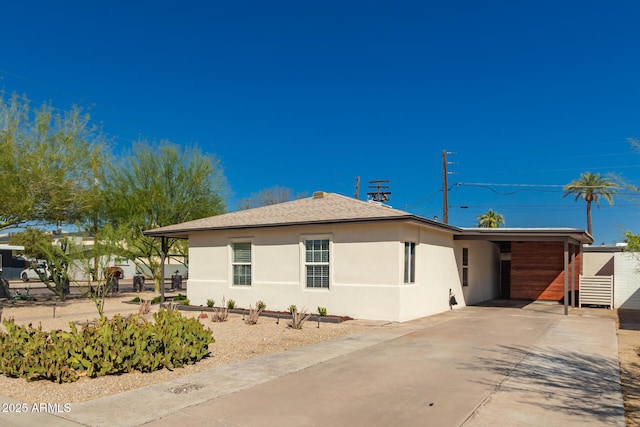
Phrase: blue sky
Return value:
(310, 95)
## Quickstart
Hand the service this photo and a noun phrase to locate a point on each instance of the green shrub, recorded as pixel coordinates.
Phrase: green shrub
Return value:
(136, 299)
(179, 297)
(112, 346)
(322, 311)
(155, 300)
(292, 308)
(231, 304)
(210, 303)
(261, 305)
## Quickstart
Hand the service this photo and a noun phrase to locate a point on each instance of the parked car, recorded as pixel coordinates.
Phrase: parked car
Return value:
(33, 272)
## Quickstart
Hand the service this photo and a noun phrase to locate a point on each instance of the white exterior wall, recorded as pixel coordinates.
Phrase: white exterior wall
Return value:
(484, 270)
(626, 280)
(436, 273)
(597, 263)
(366, 270)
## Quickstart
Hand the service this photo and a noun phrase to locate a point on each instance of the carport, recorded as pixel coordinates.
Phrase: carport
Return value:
(536, 263)
(10, 266)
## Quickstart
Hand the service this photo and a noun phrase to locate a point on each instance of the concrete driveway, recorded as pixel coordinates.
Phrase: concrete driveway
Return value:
(476, 366)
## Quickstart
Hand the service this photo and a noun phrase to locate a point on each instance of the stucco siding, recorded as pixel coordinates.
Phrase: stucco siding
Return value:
(366, 270)
(597, 263)
(363, 268)
(627, 280)
(484, 270)
(208, 257)
(435, 275)
(366, 255)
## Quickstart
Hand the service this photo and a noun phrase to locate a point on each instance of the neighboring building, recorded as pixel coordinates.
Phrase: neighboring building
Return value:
(367, 260)
(11, 266)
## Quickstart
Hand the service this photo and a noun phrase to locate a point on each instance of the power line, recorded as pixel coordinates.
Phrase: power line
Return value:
(510, 185)
(546, 188)
(555, 207)
(421, 201)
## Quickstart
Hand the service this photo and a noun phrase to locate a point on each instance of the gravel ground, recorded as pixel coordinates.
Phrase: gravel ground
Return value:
(629, 354)
(235, 341)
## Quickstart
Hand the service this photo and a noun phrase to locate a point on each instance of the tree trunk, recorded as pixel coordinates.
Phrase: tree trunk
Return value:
(589, 217)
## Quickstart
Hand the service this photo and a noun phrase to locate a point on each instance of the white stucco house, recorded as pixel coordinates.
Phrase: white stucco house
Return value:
(357, 259)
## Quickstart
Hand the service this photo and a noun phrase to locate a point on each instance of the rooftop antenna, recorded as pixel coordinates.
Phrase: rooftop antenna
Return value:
(379, 195)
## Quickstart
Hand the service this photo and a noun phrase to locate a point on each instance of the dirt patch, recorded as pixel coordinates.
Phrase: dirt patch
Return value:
(628, 348)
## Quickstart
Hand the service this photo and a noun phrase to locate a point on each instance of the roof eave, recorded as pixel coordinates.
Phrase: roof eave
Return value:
(184, 233)
(532, 234)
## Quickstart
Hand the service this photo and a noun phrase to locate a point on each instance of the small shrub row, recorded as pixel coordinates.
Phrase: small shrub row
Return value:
(298, 318)
(231, 304)
(156, 300)
(112, 346)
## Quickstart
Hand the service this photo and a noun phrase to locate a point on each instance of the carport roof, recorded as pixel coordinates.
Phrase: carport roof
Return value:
(574, 235)
(11, 248)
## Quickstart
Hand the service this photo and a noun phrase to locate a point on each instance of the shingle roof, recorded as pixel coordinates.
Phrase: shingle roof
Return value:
(320, 208)
(328, 208)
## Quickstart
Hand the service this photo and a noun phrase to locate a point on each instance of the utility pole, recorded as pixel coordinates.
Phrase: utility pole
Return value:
(445, 196)
(445, 186)
(357, 187)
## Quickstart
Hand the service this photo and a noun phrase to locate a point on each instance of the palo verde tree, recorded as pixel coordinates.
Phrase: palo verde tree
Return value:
(86, 261)
(633, 241)
(161, 184)
(38, 244)
(34, 240)
(44, 171)
(490, 219)
(590, 187)
(268, 196)
(50, 164)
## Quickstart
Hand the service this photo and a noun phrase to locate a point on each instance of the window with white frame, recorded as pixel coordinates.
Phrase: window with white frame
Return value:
(409, 262)
(465, 266)
(317, 263)
(241, 263)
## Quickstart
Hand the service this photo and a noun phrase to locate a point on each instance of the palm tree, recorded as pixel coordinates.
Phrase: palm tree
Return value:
(590, 187)
(490, 219)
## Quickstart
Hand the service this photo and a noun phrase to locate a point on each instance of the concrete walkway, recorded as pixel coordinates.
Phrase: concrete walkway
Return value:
(477, 366)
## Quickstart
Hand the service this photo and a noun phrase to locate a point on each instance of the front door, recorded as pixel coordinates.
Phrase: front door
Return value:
(505, 279)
